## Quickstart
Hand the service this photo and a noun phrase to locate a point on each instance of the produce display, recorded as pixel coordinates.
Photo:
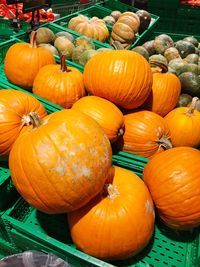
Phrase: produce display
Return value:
(142, 101)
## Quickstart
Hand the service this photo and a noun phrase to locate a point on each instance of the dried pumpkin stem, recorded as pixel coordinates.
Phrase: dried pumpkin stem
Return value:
(120, 132)
(63, 64)
(193, 106)
(164, 142)
(33, 39)
(158, 67)
(112, 191)
(32, 119)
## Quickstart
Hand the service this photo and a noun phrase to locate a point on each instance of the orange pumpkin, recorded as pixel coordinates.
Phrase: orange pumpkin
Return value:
(165, 93)
(146, 133)
(121, 76)
(16, 107)
(184, 125)
(118, 223)
(59, 84)
(105, 113)
(23, 61)
(92, 27)
(174, 183)
(62, 164)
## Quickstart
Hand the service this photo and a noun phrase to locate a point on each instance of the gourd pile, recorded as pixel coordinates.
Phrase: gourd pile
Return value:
(62, 162)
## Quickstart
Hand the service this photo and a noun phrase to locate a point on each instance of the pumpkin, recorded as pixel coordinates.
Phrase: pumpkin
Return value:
(62, 163)
(162, 42)
(146, 134)
(190, 83)
(50, 47)
(64, 46)
(192, 40)
(104, 112)
(192, 58)
(149, 46)
(145, 19)
(59, 84)
(115, 14)
(123, 215)
(184, 100)
(125, 28)
(185, 48)
(121, 76)
(142, 51)
(109, 20)
(44, 36)
(171, 53)
(68, 35)
(91, 27)
(23, 61)
(84, 41)
(174, 183)
(165, 93)
(16, 107)
(184, 125)
(86, 55)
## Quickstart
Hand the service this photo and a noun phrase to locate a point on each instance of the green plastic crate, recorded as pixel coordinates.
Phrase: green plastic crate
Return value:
(175, 36)
(7, 249)
(31, 229)
(7, 31)
(117, 5)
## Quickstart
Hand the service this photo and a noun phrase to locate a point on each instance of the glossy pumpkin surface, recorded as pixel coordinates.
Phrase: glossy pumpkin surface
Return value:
(105, 113)
(61, 164)
(119, 222)
(174, 183)
(14, 116)
(123, 77)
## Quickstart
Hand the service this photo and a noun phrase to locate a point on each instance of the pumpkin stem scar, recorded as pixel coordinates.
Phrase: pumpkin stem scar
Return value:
(164, 142)
(111, 191)
(63, 63)
(120, 132)
(33, 39)
(192, 107)
(32, 119)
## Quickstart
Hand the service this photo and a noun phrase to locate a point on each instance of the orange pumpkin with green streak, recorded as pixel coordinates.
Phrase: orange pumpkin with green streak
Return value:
(61, 163)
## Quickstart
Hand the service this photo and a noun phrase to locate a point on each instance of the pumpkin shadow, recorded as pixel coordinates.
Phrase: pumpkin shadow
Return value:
(55, 226)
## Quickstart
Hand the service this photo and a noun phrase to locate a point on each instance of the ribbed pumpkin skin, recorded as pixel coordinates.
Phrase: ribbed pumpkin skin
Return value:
(23, 62)
(15, 105)
(118, 227)
(61, 165)
(165, 93)
(184, 128)
(92, 27)
(61, 88)
(143, 130)
(104, 112)
(174, 183)
(123, 77)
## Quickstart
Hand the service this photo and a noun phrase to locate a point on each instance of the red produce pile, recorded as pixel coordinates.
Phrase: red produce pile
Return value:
(192, 3)
(9, 11)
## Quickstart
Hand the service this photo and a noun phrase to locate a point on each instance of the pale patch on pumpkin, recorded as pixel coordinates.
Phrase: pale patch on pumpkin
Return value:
(149, 207)
(60, 166)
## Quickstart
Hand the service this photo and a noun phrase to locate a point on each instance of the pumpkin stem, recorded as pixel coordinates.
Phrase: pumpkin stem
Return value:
(165, 142)
(112, 191)
(158, 67)
(32, 119)
(193, 106)
(117, 45)
(33, 39)
(63, 63)
(120, 132)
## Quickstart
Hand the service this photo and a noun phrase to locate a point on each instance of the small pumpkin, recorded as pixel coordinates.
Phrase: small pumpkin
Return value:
(184, 125)
(129, 72)
(165, 93)
(185, 48)
(59, 84)
(171, 53)
(190, 83)
(62, 163)
(105, 113)
(192, 58)
(44, 36)
(87, 55)
(23, 61)
(192, 40)
(84, 41)
(184, 100)
(50, 47)
(91, 27)
(173, 181)
(162, 42)
(145, 20)
(142, 51)
(124, 204)
(177, 65)
(77, 52)
(146, 134)
(16, 107)
(109, 20)
(64, 46)
(149, 46)
(68, 35)
(115, 14)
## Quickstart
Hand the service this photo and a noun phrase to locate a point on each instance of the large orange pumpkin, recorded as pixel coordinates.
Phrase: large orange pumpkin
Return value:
(165, 93)
(59, 84)
(121, 76)
(62, 163)
(16, 107)
(118, 223)
(23, 61)
(146, 133)
(173, 180)
(184, 125)
(105, 113)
